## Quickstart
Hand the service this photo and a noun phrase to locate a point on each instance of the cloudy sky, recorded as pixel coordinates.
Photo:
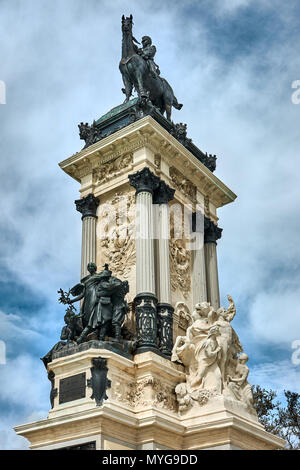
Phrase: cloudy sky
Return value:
(232, 64)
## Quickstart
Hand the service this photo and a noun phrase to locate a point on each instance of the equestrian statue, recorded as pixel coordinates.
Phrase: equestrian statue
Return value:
(139, 71)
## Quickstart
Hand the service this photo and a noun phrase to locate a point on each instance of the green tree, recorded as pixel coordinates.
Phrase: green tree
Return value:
(277, 418)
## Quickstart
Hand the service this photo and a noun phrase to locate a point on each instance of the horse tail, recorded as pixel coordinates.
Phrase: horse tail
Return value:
(176, 104)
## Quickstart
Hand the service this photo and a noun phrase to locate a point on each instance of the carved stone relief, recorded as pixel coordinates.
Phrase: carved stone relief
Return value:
(153, 391)
(180, 256)
(182, 184)
(182, 315)
(117, 233)
(206, 206)
(148, 391)
(157, 161)
(180, 266)
(106, 171)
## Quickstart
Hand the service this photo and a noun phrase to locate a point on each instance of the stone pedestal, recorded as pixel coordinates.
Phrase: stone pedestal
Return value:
(138, 409)
(102, 396)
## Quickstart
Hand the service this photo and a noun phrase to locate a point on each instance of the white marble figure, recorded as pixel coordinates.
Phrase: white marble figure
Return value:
(209, 351)
(200, 325)
(237, 386)
(224, 317)
(208, 375)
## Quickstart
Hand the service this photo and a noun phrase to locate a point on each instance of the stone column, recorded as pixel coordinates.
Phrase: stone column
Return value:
(162, 196)
(145, 182)
(87, 206)
(198, 259)
(211, 234)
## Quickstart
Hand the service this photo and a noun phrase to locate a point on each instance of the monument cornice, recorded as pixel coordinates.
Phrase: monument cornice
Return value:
(146, 132)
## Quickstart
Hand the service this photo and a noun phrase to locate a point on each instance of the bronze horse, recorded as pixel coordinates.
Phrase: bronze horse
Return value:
(135, 73)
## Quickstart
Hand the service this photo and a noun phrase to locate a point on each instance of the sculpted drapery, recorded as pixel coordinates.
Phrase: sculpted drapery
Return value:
(209, 351)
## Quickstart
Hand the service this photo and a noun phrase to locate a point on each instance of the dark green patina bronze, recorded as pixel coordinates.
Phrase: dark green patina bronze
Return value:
(100, 318)
(104, 306)
(72, 388)
(99, 381)
(140, 72)
(155, 97)
(125, 114)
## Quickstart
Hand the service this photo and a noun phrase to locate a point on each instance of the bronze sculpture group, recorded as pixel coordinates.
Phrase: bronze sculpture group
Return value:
(103, 308)
(139, 71)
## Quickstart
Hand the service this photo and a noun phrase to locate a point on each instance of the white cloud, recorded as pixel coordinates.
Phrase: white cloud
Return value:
(274, 316)
(230, 6)
(24, 382)
(13, 327)
(9, 440)
(278, 376)
(61, 67)
(24, 397)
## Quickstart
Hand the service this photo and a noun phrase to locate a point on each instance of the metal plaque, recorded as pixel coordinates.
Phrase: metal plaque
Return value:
(72, 388)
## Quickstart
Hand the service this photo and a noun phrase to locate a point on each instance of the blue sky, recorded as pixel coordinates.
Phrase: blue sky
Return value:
(232, 65)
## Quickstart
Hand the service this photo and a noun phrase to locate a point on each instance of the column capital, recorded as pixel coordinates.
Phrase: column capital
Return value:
(211, 231)
(163, 194)
(144, 180)
(87, 206)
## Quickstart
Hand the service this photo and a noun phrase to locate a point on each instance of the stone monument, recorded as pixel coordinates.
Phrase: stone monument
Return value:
(148, 359)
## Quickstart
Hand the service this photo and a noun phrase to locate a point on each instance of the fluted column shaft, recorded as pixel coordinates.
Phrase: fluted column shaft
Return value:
(87, 206)
(145, 182)
(162, 196)
(145, 276)
(198, 259)
(211, 234)
(164, 256)
(88, 244)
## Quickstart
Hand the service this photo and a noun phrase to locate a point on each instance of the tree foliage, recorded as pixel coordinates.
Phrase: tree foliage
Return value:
(277, 418)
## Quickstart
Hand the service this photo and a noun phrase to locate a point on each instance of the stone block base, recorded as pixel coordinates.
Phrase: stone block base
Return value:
(137, 409)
